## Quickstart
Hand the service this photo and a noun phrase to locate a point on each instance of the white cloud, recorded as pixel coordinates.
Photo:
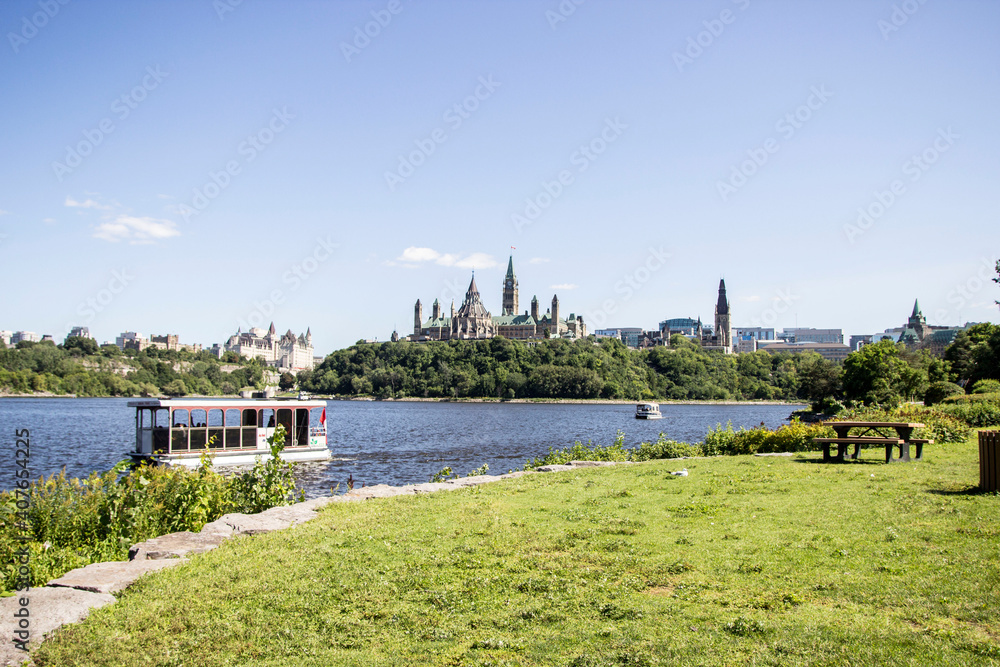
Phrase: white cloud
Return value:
(564, 286)
(413, 255)
(50, 221)
(3, 212)
(87, 203)
(136, 230)
(539, 260)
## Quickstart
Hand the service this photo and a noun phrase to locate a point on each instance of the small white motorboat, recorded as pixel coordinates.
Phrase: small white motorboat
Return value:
(648, 411)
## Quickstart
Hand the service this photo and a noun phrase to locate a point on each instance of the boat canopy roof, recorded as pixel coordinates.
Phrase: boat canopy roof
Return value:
(224, 403)
(647, 405)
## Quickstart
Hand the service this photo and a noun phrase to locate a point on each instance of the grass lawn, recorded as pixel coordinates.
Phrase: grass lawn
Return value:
(748, 560)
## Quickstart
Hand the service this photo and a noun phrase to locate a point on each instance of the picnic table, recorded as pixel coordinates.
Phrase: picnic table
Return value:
(888, 434)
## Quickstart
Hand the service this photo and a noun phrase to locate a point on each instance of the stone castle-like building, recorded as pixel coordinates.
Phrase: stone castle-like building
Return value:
(473, 321)
(285, 352)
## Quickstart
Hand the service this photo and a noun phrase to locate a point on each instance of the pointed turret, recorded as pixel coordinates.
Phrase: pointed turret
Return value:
(510, 269)
(723, 304)
(916, 309)
(272, 330)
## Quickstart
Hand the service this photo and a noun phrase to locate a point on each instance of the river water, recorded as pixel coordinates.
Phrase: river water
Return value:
(374, 442)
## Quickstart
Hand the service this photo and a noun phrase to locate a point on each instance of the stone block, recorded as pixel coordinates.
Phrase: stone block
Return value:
(48, 608)
(176, 545)
(111, 577)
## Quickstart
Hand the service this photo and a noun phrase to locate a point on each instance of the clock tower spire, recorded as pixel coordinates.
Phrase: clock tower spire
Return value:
(509, 302)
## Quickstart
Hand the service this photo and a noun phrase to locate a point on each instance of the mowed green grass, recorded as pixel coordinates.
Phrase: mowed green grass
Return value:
(748, 560)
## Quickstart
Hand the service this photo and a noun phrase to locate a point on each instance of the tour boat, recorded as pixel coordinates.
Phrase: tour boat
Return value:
(648, 411)
(177, 431)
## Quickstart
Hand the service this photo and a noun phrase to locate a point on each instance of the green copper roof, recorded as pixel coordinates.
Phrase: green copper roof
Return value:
(916, 309)
(510, 269)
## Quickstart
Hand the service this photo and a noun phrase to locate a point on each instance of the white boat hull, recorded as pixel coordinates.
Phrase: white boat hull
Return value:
(192, 460)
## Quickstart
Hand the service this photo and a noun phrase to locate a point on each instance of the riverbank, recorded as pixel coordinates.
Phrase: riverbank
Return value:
(737, 562)
(412, 399)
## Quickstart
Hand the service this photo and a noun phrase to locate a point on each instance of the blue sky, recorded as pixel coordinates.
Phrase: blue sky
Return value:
(192, 167)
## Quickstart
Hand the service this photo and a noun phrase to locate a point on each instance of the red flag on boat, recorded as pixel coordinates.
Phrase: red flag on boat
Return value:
(322, 417)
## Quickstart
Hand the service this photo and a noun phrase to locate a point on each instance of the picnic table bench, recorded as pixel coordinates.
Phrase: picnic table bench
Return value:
(873, 433)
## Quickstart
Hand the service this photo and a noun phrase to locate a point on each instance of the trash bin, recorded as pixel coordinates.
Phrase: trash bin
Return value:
(989, 460)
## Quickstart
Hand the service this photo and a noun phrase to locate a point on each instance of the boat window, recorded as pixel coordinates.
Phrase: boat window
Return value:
(162, 418)
(285, 419)
(198, 418)
(232, 417)
(215, 417)
(301, 427)
(267, 418)
(180, 417)
(250, 417)
(315, 415)
(144, 418)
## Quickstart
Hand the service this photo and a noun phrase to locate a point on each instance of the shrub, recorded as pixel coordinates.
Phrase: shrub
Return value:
(583, 452)
(986, 387)
(975, 413)
(938, 391)
(70, 522)
(664, 449)
(794, 437)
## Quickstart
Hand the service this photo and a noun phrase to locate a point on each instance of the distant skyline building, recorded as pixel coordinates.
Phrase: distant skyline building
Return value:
(830, 351)
(79, 332)
(811, 335)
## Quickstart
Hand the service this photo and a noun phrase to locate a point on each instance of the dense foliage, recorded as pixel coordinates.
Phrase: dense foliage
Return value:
(80, 368)
(69, 523)
(501, 368)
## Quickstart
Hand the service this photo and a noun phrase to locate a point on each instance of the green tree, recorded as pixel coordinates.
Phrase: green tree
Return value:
(286, 382)
(85, 346)
(877, 374)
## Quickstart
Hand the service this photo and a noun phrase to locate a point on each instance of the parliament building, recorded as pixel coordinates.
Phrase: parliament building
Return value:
(472, 321)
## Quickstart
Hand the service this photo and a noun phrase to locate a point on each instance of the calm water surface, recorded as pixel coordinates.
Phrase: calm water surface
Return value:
(372, 441)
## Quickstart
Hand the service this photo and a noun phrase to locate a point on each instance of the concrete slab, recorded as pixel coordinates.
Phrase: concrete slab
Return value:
(595, 464)
(111, 577)
(48, 609)
(176, 545)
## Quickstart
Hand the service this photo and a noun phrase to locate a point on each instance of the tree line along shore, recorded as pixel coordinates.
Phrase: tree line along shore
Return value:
(605, 369)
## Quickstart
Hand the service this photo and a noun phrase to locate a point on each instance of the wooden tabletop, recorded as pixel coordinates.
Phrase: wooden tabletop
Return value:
(855, 424)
